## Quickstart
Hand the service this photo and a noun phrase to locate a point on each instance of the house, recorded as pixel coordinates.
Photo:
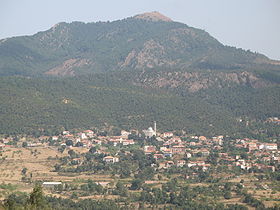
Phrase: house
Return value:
(220, 137)
(266, 159)
(68, 136)
(167, 144)
(277, 159)
(51, 184)
(127, 142)
(125, 134)
(6, 141)
(192, 143)
(163, 148)
(82, 135)
(166, 164)
(149, 149)
(195, 163)
(34, 144)
(239, 145)
(166, 152)
(159, 139)
(55, 138)
(43, 138)
(175, 140)
(180, 163)
(199, 164)
(167, 134)
(115, 142)
(223, 155)
(87, 143)
(97, 141)
(218, 140)
(89, 133)
(252, 146)
(110, 159)
(204, 152)
(65, 133)
(205, 167)
(269, 146)
(202, 138)
(103, 184)
(188, 155)
(178, 149)
(158, 156)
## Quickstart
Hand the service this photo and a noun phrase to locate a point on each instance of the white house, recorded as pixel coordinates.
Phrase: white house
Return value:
(51, 184)
(82, 135)
(167, 134)
(268, 146)
(110, 159)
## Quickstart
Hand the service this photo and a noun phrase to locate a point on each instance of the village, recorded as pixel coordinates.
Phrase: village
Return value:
(169, 150)
(138, 159)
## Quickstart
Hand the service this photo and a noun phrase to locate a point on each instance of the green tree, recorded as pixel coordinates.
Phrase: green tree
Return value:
(136, 184)
(23, 171)
(121, 189)
(36, 199)
(227, 195)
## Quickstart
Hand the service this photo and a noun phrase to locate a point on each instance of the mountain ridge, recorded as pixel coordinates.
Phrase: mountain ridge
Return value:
(136, 43)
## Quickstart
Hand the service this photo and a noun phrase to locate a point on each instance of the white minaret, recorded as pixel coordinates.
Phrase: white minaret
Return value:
(155, 127)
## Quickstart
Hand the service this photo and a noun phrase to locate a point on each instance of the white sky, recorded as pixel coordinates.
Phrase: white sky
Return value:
(249, 24)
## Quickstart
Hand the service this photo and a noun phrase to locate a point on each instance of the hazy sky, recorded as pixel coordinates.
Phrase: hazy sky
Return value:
(249, 24)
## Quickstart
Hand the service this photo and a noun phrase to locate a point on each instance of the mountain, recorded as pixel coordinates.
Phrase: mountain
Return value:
(146, 41)
(130, 72)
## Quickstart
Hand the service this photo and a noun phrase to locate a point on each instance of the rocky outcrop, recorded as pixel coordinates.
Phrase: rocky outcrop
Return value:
(195, 81)
(67, 68)
(152, 55)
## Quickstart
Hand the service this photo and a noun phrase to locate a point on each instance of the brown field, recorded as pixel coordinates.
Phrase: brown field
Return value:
(38, 163)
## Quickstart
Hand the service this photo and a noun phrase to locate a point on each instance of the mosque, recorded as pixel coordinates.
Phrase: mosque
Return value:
(150, 132)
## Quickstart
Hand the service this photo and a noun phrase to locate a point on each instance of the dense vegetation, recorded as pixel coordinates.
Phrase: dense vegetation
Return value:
(31, 105)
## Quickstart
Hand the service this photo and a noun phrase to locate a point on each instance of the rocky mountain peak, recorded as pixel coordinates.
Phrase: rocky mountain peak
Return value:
(153, 16)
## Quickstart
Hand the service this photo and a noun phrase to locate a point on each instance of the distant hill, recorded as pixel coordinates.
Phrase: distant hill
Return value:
(131, 72)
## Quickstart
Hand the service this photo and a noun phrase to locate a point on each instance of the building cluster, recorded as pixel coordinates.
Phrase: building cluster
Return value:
(170, 150)
(187, 151)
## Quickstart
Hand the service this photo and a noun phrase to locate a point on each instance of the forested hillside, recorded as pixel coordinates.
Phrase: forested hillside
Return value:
(29, 105)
